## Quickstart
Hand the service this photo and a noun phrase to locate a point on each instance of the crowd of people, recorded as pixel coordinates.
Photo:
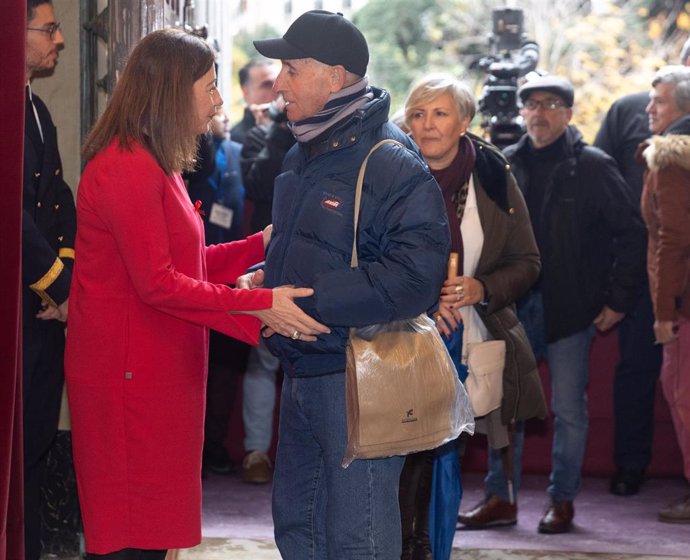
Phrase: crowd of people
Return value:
(197, 253)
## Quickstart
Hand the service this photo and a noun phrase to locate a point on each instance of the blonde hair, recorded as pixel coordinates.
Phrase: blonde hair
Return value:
(429, 87)
(152, 104)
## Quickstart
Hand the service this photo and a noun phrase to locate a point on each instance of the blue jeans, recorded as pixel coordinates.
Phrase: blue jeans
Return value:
(568, 360)
(259, 397)
(321, 510)
(495, 479)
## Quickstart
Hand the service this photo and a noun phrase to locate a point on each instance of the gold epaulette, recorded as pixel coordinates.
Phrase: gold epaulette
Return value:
(47, 280)
(66, 253)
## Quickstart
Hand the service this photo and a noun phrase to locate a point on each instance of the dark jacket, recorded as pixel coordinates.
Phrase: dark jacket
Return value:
(212, 183)
(403, 237)
(508, 266)
(238, 132)
(48, 221)
(262, 156)
(48, 231)
(625, 126)
(593, 253)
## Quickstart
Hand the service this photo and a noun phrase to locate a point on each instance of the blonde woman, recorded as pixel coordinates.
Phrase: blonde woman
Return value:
(499, 260)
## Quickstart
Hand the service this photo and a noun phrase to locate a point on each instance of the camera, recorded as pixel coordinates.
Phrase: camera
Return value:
(512, 56)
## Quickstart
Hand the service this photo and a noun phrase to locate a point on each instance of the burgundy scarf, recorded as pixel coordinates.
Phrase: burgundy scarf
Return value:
(451, 180)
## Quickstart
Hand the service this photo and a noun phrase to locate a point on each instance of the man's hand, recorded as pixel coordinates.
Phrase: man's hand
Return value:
(50, 312)
(607, 318)
(251, 280)
(665, 332)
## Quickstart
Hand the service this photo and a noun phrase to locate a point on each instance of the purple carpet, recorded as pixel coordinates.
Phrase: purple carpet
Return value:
(604, 524)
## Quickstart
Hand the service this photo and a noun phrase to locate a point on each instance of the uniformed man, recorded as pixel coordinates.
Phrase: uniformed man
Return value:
(48, 229)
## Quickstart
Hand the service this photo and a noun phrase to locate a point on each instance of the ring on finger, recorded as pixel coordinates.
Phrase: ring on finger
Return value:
(296, 335)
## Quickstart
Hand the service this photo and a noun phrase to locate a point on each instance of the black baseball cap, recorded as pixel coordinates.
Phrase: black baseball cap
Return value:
(323, 36)
(553, 84)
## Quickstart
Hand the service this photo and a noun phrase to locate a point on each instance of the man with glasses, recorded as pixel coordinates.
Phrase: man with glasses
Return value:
(48, 229)
(592, 243)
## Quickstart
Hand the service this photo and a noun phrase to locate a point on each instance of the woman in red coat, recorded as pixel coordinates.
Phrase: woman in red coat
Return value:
(144, 292)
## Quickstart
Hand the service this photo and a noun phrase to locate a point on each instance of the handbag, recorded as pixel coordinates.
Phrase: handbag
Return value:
(484, 384)
(402, 390)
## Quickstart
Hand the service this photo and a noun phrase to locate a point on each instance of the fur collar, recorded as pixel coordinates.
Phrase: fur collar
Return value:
(662, 151)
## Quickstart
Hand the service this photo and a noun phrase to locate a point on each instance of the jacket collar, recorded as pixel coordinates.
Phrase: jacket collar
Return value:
(491, 169)
(681, 126)
(573, 142)
(348, 132)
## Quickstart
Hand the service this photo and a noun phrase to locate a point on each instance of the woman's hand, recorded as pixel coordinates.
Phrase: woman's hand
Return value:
(287, 319)
(665, 332)
(457, 292)
(462, 291)
(447, 319)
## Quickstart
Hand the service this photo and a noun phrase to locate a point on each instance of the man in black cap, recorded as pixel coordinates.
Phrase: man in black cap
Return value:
(592, 243)
(321, 510)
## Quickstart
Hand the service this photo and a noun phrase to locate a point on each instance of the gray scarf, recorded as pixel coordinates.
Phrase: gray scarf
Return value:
(340, 105)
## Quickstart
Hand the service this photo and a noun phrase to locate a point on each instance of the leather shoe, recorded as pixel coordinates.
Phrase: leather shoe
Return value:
(678, 511)
(558, 517)
(626, 482)
(492, 511)
(256, 468)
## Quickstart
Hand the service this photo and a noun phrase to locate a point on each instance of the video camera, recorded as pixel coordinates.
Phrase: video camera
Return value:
(511, 57)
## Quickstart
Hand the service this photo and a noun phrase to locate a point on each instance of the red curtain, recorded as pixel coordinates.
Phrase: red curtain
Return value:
(666, 457)
(12, 25)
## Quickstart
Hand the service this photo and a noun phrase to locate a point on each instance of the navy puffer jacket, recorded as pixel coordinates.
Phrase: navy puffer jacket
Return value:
(403, 240)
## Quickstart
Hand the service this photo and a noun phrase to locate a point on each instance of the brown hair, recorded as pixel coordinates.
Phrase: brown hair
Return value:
(31, 6)
(152, 101)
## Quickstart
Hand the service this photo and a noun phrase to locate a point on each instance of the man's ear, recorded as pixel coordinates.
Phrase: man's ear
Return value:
(337, 77)
(570, 113)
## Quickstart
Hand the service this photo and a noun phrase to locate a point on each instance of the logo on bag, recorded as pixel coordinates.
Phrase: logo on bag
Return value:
(331, 202)
(409, 417)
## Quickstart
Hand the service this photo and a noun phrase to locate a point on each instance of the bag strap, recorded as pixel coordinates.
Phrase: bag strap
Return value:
(358, 194)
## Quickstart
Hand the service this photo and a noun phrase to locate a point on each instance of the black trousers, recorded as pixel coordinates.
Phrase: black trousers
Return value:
(227, 362)
(414, 499)
(43, 377)
(634, 386)
(130, 554)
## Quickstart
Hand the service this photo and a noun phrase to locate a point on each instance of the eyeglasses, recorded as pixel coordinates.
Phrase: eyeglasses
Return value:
(51, 29)
(546, 104)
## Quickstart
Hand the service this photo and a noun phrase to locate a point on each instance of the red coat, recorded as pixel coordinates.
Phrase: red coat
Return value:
(140, 306)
